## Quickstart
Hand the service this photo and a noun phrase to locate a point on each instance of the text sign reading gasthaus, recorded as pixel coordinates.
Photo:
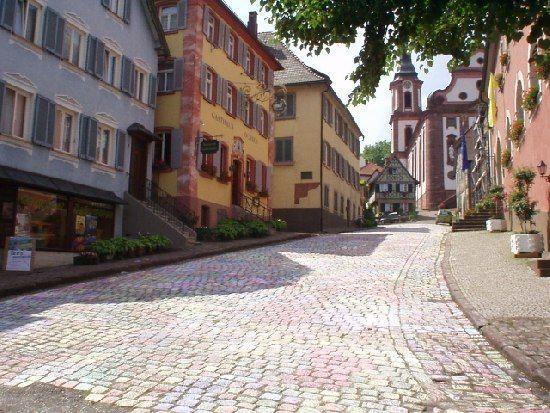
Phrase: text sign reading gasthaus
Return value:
(209, 147)
(19, 253)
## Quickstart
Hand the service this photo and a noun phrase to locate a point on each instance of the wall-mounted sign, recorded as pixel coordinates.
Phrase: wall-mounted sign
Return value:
(19, 253)
(209, 146)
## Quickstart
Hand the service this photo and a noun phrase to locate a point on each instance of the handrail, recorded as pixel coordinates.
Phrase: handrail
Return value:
(162, 202)
(254, 207)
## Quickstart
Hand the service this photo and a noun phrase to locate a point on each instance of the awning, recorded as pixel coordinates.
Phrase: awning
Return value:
(139, 131)
(57, 185)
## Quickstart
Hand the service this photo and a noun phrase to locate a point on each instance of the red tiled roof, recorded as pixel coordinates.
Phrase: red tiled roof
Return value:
(370, 168)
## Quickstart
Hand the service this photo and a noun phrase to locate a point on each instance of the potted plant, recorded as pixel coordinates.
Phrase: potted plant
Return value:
(499, 78)
(504, 59)
(496, 223)
(506, 159)
(542, 66)
(528, 243)
(531, 98)
(516, 131)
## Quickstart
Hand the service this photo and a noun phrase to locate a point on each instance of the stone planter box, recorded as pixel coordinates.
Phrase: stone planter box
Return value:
(527, 245)
(496, 225)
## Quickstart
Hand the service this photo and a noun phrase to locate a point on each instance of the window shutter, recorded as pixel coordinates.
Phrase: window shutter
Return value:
(289, 155)
(2, 91)
(106, 3)
(178, 74)
(99, 58)
(83, 138)
(182, 14)
(132, 79)
(92, 140)
(220, 41)
(120, 149)
(59, 36)
(258, 174)
(270, 78)
(219, 89)
(153, 91)
(7, 13)
(41, 120)
(240, 52)
(127, 11)
(225, 86)
(206, 15)
(239, 112)
(50, 125)
(127, 74)
(50, 29)
(176, 147)
(268, 179)
(203, 80)
(90, 57)
(198, 152)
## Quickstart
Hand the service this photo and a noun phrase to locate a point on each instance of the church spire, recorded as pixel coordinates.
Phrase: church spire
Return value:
(406, 66)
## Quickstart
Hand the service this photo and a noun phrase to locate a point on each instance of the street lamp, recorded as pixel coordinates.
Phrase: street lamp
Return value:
(542, 171)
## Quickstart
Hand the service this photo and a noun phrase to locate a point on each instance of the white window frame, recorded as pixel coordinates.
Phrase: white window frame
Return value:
(171, 18)
(117, 7)
(164, 74)
(209, 84)
(231, 46)
(101, 129)
(68, 43)
(27, 111)
(211, 27)
(61, 114)
(229, 92)
(37, 24)
(141, 84)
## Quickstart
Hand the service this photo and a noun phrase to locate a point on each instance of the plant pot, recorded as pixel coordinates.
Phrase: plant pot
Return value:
(527, 245)
(496, 225)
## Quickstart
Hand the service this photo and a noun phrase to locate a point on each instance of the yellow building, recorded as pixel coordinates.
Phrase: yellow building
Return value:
(218, 87)
(316, 165)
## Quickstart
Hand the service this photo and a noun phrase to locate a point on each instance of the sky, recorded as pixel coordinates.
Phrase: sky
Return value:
(373, 117)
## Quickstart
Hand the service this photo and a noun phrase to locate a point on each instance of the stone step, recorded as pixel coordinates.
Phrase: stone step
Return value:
(544, 272)
(454, 229)
(468, 225)
(543, 264)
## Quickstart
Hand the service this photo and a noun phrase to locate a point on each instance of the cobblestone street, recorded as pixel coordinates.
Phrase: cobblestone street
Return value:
(352, 322)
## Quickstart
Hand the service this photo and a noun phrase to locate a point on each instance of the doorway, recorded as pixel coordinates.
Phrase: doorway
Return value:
(138, 168)
(236, 169)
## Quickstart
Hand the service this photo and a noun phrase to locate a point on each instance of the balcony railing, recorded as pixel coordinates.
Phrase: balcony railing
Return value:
(253, 206)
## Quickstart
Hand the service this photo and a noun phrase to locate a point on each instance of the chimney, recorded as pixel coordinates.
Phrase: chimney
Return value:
(253, 23)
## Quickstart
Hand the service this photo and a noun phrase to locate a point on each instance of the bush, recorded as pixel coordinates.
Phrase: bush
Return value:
(121, 247)
(486, 204)
(229, 230)
(369, 218)
(279, 224)
(205, 234)
(257, 229)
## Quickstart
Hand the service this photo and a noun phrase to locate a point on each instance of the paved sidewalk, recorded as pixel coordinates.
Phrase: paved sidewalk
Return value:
(13, 283)
(504, 298)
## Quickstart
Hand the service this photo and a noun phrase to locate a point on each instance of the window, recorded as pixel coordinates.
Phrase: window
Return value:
(14, 111)
(209, 85)
(163, 148)
(339, 125)
(247, 61)
(105, 142)
(140, 86)
(26, 20)
(118, 7)
(290, 110)
(262, 122)
(326, 197)
(211, 27)
(110, 67)
(65, 130)
(408, 135)
(231, 46)
(451, 122)
(335, 201)
(250, 171)
(169, 18)
(166, 77)
(248, 111)
(223, 159)
(283, 150)
(72, 45)
(407, 100)
(342, 205)
(230, 103)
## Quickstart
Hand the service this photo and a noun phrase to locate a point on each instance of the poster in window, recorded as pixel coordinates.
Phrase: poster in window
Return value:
(23, 225)
(19, 253)
(80, 225)
(7, 211)
(91, 225)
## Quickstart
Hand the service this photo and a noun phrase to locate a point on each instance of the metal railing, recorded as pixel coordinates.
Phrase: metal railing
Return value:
(162, 203)
(253, 206)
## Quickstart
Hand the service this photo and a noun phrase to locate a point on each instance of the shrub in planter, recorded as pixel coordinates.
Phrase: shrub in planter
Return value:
(257, 229)
(160, 242)
(531, 98)
(205, 234)
(506, 159)
(516, 131)
(279, 224)
(486, 204)
(105, 249)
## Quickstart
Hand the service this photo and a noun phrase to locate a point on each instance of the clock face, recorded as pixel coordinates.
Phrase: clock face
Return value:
(407, 85)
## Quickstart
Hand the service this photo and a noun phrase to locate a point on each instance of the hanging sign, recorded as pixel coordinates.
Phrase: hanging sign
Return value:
(19, 253)
(209, 146)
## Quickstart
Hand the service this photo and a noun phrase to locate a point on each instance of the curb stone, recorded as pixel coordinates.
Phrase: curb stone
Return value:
(491, 334)
(123, 267)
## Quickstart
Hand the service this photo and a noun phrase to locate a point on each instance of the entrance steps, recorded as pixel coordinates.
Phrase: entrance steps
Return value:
(473, 221)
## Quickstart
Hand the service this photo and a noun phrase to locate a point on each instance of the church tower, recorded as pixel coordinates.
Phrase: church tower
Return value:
(406, 106)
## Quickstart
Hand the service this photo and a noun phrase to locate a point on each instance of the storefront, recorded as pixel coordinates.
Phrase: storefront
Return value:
(60, 215)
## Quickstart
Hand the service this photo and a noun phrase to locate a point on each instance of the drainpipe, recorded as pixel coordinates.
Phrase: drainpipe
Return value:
(322, 220)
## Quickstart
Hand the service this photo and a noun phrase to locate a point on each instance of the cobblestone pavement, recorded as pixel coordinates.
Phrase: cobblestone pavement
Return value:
(505, 291)
(352, 322)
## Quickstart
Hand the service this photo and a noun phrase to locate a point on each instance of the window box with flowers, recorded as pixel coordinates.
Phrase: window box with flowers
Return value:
(499, 78)
(506, 159)
(504, 59)
(531, 98)
(542, 66)
(516, 131)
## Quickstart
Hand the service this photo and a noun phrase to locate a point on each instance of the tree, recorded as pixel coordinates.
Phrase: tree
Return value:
(390, 28)
(377, 152)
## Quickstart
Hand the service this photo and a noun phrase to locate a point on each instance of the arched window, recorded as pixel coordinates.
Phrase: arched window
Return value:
(407, 97)
(408, 135)
(520, 113)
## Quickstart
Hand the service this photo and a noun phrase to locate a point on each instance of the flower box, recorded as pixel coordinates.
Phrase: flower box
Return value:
(527, 245)
(496, 225)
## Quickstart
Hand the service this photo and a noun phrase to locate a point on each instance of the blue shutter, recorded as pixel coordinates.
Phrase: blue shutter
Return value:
(92, 140)
(153, 91)
(50, 125)
(99, 58)
(120, 149)
(126, 75)
(7, 13)
(59, 35)
(176, 148)
(2, 91)
(127, 11)
(182, 14)
(91, 55)
(50, 30)
(83, 138)
(106, 3)
(41, 121)
(178, 74)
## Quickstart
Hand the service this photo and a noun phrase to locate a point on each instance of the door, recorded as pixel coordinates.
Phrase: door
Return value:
(138, 169)
(236, 182)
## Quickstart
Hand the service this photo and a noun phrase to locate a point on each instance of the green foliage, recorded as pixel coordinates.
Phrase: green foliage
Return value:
(103, 248)
(257, 229)
(369, 219)
(506, 159)
(516, 131)
(121, 247)
(524, 177)
(389, 28)
(531, 98)
(499, 78)
(519, 201)
(279, 224)
(205, 234)
(486, 204)
(377, 153)
(497, 192)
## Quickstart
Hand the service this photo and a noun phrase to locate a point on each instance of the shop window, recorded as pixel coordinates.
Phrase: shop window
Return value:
(65, 130)
(72, 45)
(92, 221)
(169, 18)
(283, 150)
(14, 112)
(26, 23)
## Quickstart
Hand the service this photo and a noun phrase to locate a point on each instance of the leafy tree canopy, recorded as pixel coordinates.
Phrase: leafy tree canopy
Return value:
(377, 153)
(391, 27)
